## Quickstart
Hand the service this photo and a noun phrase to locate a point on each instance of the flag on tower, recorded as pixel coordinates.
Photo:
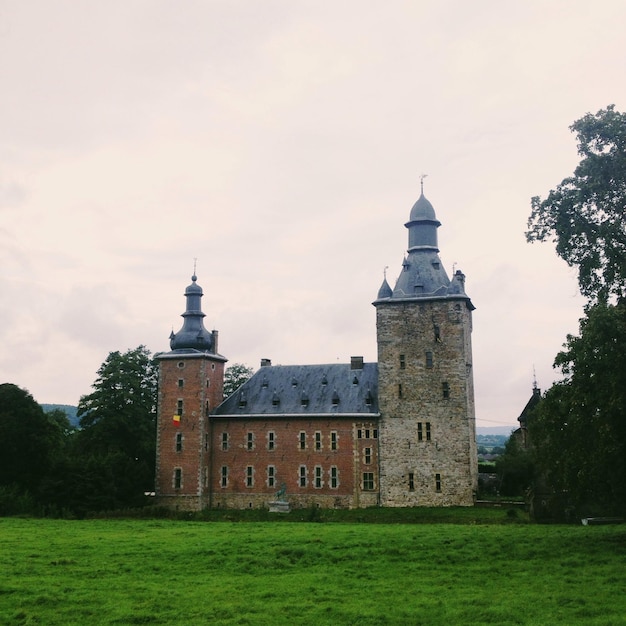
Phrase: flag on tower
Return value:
(176, 420)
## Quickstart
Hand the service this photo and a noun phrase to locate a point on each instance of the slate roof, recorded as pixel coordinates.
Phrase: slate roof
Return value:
(423, 275)
(315, 390)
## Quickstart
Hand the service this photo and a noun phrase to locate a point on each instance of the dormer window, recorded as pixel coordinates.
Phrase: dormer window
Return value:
(355, 380)
(294, 382)
(243, 401)
(264, 383)
(369, 398)
(335, 399)
(324, 380)
(275, 399)
(304, 400)
(436, 265)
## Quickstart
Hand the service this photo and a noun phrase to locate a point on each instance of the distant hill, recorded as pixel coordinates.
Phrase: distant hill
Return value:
(495, 430)
(69, 410)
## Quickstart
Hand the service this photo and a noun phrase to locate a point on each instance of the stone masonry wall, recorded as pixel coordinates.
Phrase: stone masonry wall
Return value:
(427, 427)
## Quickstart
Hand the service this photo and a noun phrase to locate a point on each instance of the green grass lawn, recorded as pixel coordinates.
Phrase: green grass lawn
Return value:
(174, 572)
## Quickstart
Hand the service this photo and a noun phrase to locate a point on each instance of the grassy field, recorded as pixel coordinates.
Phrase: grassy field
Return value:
(189, 572)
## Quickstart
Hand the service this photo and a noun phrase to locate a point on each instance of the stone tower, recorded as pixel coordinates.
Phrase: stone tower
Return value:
(191, 382)
(425, 383)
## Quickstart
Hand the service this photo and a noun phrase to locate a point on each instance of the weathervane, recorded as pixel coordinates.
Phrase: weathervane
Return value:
(195, 260)
(385, 271)
(422, 177)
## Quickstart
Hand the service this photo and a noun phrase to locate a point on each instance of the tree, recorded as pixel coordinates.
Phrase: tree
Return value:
(585, 216)
(28, 444)
(235, 376)
(579, 430)
(514, 468)
(118, 423)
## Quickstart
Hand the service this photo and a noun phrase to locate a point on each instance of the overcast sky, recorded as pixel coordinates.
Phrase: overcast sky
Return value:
(280, 142)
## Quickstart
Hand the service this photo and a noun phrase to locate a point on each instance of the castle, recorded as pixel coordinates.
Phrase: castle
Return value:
(396, 433)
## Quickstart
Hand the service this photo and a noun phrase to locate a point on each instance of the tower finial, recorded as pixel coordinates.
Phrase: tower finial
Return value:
(422, 177)
(385, 271)
(194, 277)
(534, 378)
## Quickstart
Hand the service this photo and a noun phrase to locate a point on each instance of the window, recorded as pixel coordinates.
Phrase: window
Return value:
(421, 429)
(302, 440)
(445, 390)
(367, 455)
(437, 334)
(318, 440)
(179, 442)
(271, 440)
(438, 483)
(224, 474)
(249, 476)
(333, 439)
(367, 433)
(178, 477)
(206, 408)
(224, 441)
(181, 382)
(368, 481)
(179, 407)
(429, 359)
(411, 481)
(400, 390)
(271, 476)
(250, 441)
(318, 477)
(302, 476)
(206, 443)
(181, 364)
(334, 477)
(402, 362)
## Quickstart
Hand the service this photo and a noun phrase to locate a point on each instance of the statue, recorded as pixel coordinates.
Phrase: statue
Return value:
(281, 493)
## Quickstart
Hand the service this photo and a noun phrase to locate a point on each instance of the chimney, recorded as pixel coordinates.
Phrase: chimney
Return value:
(266, 362)
(215, 334)
(356, 363)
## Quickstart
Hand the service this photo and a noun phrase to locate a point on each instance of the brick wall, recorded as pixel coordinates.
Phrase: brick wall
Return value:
(319, 461)
(189, 386)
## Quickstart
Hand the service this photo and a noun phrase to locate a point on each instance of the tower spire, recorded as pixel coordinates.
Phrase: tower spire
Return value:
(193, 335)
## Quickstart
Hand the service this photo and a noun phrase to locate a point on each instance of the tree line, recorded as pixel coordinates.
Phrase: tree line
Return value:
(49, 467)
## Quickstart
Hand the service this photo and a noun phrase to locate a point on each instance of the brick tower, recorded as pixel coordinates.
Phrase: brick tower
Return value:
(191, 382)
(425, 383)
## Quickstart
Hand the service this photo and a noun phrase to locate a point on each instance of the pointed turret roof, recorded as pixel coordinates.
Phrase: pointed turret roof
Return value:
(423, 275)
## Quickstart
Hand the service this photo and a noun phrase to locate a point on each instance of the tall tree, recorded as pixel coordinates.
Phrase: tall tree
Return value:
(585, 216)
(579, 429)
(119, 418)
